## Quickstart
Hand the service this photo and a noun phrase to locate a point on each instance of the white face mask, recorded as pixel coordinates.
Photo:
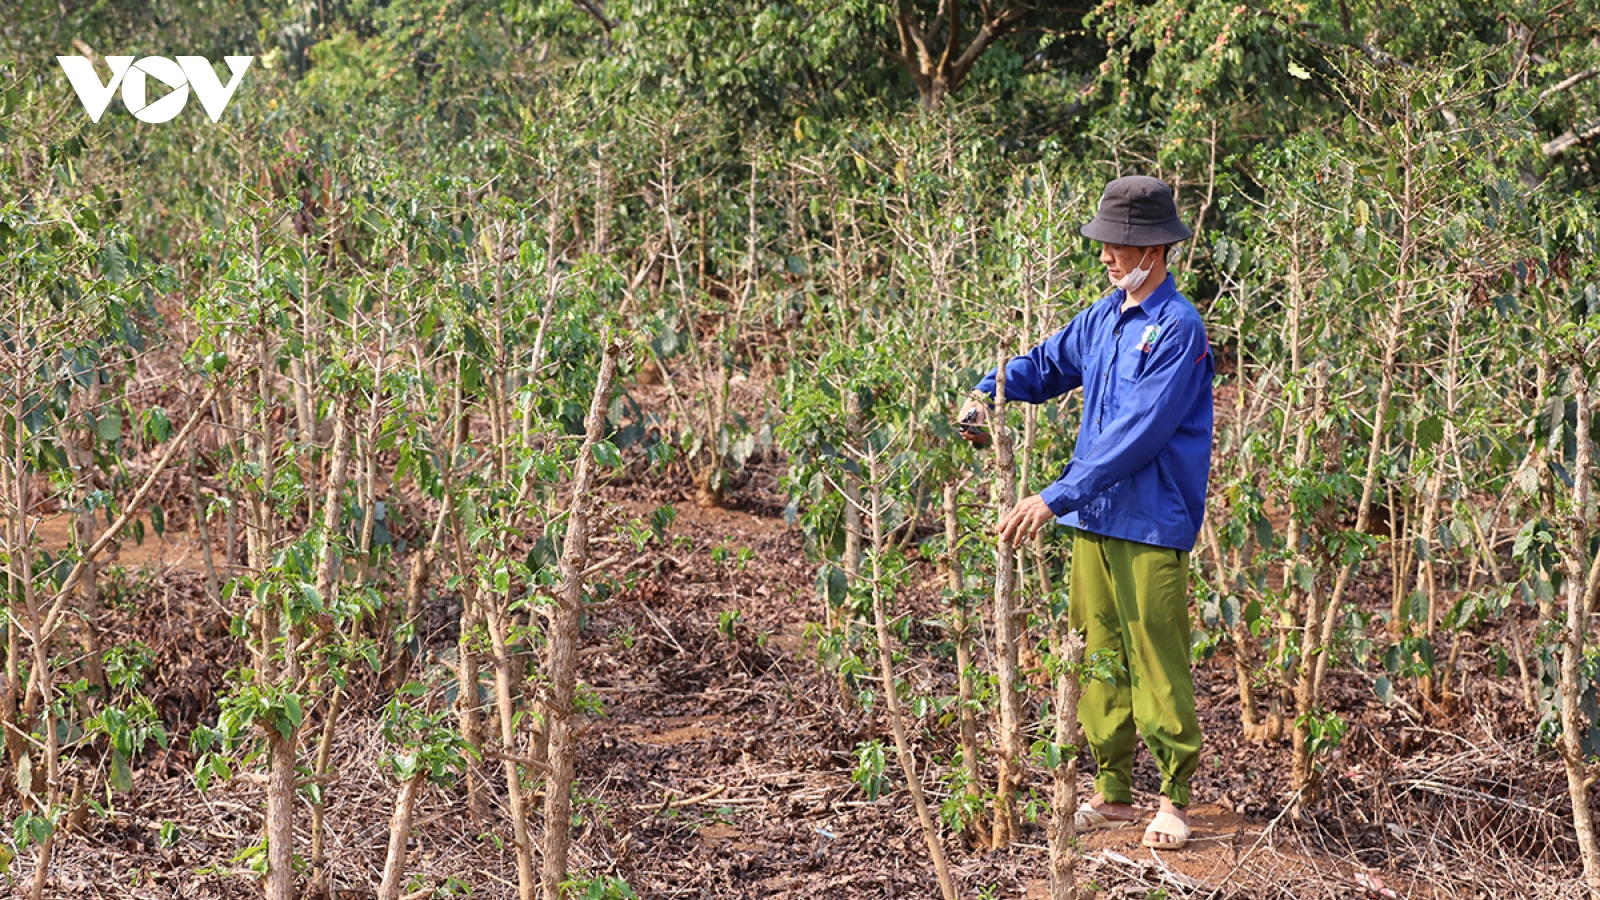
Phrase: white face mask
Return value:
(1134, 280)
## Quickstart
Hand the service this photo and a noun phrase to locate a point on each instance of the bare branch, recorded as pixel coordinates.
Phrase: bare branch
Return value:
(597, 10)
(913, 43)
(934, 77)
(992, 30)
(952, 37)
(1565, 142)
(1568, 84)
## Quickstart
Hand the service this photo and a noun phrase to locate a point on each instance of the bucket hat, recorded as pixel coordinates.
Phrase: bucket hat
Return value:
(1137, 211)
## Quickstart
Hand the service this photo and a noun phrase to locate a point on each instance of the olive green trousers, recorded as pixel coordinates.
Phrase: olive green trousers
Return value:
(1132, 600)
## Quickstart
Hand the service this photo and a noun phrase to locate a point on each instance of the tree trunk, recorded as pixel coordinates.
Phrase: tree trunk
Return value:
(564, 638)
(1369, 482)
(10, 705)
(935, 59)
(507, 684)
(967, 714)
(468, 704)
(394, 864)
(891, 694)
(279, 883)
(52, 747)
(468, 711)
(1306, 698)
(1242, 649)
(850, 483)
(1064, 852)
(416, 587)
(1006, 631)
(838, 619)
(202, 530)
(1575, 638)
(320, 873)
(46, 778)
(81, 459)
(21, 556)
(327, 577)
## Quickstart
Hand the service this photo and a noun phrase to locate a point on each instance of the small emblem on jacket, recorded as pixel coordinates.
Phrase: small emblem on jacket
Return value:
(1148, 339)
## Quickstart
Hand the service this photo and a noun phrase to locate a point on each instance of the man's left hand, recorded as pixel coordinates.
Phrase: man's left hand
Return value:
(1025, 520)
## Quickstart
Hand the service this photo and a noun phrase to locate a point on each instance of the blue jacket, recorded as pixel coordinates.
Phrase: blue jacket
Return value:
(1144, 446)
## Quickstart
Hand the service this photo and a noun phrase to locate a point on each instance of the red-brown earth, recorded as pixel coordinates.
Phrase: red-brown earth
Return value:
(721, 767)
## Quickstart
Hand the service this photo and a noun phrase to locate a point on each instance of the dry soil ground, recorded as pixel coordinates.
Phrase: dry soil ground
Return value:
(721, 768)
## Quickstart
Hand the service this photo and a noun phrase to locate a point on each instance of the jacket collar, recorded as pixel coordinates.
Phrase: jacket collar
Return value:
(1152, 304)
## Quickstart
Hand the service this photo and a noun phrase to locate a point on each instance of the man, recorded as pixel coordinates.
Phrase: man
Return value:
(1135, 492)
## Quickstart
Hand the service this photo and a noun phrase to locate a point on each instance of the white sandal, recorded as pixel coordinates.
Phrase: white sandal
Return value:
(1167, 824)
(1087, 818)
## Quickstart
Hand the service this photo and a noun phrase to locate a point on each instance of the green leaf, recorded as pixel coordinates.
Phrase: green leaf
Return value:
(405, 765)
(211, 766)
(114, 263)
(157, 426)
(1425, 653)
(1561, 473)
(607, 454)
(1502, 660)
(1230, 610)
(294, 714)
(742, 449)
(121, 778)
(1384, 689)
(109, 427)
(1528, 480)
(1429, 432)
(1263, 531)
(1305, 577)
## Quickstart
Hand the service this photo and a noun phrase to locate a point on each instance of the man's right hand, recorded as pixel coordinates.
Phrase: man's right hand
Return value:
(973, 422)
